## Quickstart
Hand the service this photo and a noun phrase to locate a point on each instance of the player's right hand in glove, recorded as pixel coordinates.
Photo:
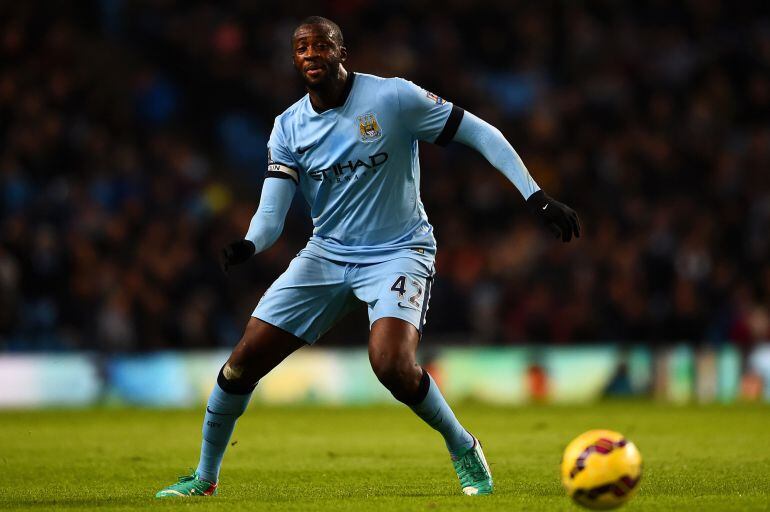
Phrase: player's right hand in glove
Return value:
(236, 252)
(558, 217)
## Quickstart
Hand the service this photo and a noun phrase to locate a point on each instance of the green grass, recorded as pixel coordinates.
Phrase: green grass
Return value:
(695, 458)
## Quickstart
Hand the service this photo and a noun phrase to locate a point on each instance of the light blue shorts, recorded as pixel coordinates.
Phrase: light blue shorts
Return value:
(315, 293)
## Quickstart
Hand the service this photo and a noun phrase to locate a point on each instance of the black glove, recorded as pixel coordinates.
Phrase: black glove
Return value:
(558, 217)
(236, 253)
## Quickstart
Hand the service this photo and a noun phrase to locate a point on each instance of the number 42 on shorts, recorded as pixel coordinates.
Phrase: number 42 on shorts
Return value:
(399, 286)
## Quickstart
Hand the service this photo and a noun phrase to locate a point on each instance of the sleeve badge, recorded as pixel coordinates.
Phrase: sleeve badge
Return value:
(438, 99)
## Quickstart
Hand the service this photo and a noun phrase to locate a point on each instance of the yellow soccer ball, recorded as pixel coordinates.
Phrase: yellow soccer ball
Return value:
(601, 469)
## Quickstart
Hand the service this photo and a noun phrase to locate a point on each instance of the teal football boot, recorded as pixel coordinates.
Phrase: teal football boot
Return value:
(189, 485)
(473, 471)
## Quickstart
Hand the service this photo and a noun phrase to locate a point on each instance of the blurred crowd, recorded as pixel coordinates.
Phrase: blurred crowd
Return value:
(132, 148)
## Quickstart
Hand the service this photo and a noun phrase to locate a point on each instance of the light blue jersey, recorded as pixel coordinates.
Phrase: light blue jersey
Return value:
(358, 166)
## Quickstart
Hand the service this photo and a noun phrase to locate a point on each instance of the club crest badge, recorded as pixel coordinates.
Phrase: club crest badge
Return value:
(368, 128)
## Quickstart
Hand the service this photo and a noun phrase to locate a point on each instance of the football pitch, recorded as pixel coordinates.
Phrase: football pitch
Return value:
(377, 458)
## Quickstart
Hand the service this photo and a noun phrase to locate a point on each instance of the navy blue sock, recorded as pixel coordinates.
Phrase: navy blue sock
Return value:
(434, 411)
(222, 411)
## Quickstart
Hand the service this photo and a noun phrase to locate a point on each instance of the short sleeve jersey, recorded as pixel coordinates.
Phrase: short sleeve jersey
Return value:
(358, 166)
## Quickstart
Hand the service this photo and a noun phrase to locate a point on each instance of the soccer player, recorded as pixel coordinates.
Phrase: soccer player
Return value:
(351, 146)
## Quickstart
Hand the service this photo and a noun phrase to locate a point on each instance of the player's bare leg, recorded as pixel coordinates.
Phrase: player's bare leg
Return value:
(261, 348)
(392, 348)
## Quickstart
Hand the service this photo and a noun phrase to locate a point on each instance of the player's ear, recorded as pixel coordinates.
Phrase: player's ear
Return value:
(343, 54)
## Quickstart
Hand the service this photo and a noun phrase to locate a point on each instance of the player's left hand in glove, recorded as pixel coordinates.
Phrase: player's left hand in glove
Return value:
(558, 217)
(236, 252)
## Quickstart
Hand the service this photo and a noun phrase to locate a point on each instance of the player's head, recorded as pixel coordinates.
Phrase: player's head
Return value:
(318, 50)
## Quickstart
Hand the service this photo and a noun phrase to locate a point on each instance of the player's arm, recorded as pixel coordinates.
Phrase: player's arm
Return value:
(266, 225)
(432, 119)
(487, 140)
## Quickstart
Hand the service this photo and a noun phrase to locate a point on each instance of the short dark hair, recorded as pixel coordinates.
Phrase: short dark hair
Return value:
(334, 29)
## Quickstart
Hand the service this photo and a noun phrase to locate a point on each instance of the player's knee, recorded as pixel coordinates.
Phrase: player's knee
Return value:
(400, 375)
(252, 359)
(261, 348)
(248, 362)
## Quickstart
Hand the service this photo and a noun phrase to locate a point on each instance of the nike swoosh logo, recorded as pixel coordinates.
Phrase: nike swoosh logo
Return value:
(544, 207)
(401, 305)
(216, 413)
(301, 151)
